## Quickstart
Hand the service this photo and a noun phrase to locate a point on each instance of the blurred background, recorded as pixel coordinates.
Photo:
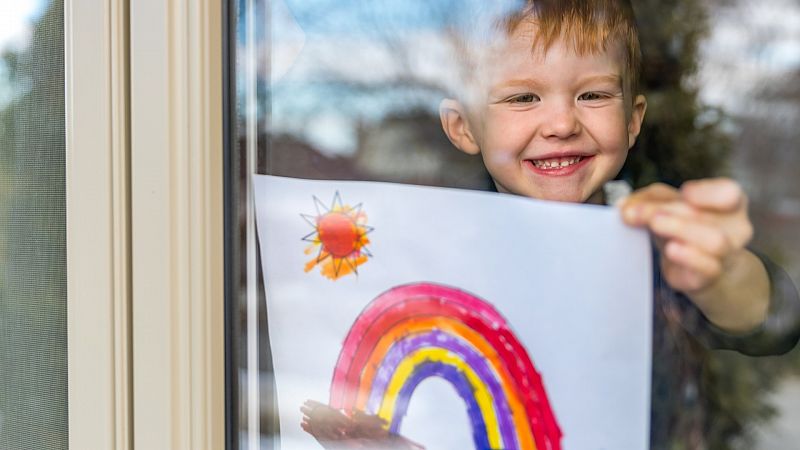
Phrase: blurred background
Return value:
(33, 272)
(350, 90)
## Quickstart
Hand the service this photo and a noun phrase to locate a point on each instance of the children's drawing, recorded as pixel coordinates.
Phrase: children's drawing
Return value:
(339, 240)
(417, 331)
(489, 322)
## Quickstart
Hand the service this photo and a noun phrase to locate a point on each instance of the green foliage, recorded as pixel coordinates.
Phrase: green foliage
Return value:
(681, 139)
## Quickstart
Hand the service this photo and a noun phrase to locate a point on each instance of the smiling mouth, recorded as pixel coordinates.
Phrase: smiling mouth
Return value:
(556, 163)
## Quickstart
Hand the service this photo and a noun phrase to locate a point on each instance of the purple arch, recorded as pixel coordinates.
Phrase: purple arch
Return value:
(439, 339)
(460, 383)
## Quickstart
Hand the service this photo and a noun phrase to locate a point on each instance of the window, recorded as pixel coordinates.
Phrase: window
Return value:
(350, 90)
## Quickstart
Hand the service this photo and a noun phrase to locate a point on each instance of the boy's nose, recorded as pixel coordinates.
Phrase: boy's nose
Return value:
(560, 122)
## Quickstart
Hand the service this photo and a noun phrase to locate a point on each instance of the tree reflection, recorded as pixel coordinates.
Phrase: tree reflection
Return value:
(379, 67)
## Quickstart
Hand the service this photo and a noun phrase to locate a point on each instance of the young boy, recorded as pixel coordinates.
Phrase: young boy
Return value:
(553, 118)
(552, 108)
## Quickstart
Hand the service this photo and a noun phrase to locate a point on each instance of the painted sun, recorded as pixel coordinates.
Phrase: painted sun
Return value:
(339, 240)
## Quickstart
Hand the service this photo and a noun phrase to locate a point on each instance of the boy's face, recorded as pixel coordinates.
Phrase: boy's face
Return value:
(550, 125)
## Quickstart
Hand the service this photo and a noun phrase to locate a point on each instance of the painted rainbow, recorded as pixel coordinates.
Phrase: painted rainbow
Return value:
(414, 332)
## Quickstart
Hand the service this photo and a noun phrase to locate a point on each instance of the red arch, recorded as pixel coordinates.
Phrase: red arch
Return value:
(431, 300)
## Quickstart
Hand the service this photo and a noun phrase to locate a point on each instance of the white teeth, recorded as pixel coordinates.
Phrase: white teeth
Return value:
(556, 163)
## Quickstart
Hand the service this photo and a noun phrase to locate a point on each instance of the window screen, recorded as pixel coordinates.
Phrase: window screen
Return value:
(33, 310)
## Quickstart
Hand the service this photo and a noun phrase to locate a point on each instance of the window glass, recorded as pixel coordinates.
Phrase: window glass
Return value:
(33, 308)
(351, 90)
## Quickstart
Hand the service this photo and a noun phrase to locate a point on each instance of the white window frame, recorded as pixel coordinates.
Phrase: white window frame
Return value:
(98, 214)
(177, 224)
(145, 224)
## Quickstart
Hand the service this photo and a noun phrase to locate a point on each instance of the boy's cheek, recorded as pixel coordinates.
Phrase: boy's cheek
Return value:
(498, 159)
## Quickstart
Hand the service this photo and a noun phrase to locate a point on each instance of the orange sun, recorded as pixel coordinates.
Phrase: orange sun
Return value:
(339, 238)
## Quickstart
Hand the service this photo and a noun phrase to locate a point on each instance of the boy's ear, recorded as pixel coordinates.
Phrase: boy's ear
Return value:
(637, 117)
(456, 126)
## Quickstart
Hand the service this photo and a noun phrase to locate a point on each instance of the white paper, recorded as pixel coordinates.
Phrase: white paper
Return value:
(572, 282)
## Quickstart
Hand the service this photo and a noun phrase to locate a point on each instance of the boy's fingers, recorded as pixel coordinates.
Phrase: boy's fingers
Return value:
(654, 193)
(638, 208)
(642, 212)
(712, 195)
(307, 410)
(708, 238)
(678, 208)
(736, 228)
(313, 404)
(690, 268)
(716, 194)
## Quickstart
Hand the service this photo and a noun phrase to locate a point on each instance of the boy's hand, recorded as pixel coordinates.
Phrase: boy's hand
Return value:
(702, 230)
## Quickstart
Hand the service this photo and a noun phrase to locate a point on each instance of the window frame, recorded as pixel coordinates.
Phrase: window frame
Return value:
(98, 213)
(145, 224)
(177, 224)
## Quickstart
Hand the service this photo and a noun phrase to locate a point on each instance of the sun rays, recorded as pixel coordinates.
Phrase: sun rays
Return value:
(339, 240)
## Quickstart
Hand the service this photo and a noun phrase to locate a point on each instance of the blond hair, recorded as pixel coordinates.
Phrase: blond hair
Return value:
(588, 26)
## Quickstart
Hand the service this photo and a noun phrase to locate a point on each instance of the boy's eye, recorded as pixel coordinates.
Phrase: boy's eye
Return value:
(524, 98)
(592, 96)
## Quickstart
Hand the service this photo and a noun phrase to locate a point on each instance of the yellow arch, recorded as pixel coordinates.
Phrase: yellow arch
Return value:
(482, 395)
(419, 325)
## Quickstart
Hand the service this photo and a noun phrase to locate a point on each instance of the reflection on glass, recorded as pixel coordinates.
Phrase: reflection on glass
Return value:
(749, 68)
(355, 94)
(33, 331)
(351, 90)
(334, 429)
